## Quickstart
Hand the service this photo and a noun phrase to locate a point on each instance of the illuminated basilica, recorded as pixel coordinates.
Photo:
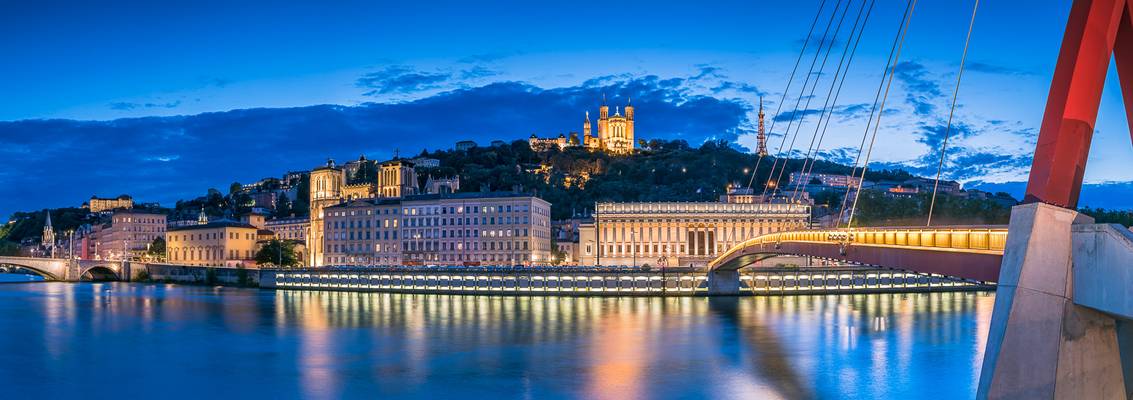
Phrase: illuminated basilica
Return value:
(615, 133)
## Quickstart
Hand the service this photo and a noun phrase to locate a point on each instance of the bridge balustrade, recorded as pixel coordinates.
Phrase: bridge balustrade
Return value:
(983, 239)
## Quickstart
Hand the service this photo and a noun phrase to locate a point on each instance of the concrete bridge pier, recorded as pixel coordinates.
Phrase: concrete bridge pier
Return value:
(1042, 344)
(723, 283)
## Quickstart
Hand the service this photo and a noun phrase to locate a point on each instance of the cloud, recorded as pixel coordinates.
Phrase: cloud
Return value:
(920, 90)
(400, 79)
(995, 69)
(135, 106)
(168, 158)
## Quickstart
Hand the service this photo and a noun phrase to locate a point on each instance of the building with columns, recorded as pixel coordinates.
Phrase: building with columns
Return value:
(679, 233)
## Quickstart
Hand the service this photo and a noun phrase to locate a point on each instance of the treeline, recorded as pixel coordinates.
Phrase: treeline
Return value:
(1103, 216)
(662, 170)
(879, 209)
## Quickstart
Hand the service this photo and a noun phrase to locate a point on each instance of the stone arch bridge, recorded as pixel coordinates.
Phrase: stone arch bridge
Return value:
(61, 269)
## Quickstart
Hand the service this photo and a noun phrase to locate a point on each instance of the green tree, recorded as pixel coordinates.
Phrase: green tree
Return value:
(277, 252)
(282, 206)
(234, 188)
(157, 249)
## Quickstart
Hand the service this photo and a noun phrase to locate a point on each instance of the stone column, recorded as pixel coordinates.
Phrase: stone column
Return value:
(1041, 345)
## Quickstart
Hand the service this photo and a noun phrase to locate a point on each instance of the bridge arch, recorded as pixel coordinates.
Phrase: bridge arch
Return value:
(100, 273)
(973, 252)
(49, 268)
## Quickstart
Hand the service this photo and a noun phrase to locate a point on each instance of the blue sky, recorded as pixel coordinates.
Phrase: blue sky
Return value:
(166, 99)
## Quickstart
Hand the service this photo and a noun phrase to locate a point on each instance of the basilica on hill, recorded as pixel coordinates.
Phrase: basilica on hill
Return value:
(615, 133)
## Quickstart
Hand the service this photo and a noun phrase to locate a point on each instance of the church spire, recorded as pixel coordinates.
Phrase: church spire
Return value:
(202, 218)
(48, 233)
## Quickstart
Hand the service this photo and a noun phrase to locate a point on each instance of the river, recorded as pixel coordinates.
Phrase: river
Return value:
(119, 340)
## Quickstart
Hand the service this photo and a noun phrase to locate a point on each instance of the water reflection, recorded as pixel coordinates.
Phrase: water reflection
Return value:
(305, 344)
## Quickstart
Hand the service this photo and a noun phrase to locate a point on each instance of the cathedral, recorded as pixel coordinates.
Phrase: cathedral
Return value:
(615, 133)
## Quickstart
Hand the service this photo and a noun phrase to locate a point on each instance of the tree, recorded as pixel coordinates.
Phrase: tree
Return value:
(282, 206)
(278, 252)
(157, 249)
(234, 188)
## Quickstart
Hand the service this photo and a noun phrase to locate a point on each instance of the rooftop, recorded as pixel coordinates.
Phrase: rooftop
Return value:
(212, 225)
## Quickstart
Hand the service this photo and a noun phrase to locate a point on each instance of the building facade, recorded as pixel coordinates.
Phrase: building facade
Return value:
(397, 178)
(125, 234)
(615, 133)
(829, 180)
(440, 229)
(327, 184)
(218, 243)
(98, 204)
(289, 228)
(679, 234)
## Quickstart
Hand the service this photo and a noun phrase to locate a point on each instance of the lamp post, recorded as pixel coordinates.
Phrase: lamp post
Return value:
(633, 245)
(71, 244)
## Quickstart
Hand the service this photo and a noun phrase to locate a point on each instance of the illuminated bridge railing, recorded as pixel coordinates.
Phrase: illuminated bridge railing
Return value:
(968, 239)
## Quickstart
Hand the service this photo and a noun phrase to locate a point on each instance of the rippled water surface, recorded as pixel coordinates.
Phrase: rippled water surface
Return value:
(115, 340)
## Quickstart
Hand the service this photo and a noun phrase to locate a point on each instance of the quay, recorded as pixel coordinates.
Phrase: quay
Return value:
(608, 281)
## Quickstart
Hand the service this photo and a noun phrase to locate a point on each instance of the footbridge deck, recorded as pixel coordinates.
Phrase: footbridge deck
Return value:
(969, 252)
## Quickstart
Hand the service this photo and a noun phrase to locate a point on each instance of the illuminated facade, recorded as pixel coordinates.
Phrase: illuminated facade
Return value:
(98, 204)
(219, 243)
(397, 178)
(679, 234)
(327, 183)
(615, 133)
(449, 229)
(125, 233)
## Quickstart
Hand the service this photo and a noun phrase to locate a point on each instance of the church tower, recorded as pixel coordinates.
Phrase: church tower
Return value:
(326, 190)
(762, 136)
(604, 121)
(629, 124)
(48, 240)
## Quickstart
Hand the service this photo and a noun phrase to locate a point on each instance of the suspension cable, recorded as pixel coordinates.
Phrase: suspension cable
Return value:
(832, 96)
(951, 112)
(808, 97)
(873, 109)
(794, 112)
(783, 98)
(881, 110)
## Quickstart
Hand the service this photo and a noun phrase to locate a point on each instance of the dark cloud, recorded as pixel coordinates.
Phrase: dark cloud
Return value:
(168, 158)
(487, 57)
(399, 79)
(969, 165)
(933, 135)
(737, 86)
(789, 115)
(135, 106)
(841, 155)
(844, 112)
(995, 69)
(920, 90)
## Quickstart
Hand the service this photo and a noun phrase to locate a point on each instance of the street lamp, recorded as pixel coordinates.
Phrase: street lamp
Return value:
(71, 244)
(633, 245)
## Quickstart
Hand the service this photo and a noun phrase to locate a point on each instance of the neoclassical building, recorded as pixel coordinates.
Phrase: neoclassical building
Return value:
(615, 133)
(217, 243)
(679, 233)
